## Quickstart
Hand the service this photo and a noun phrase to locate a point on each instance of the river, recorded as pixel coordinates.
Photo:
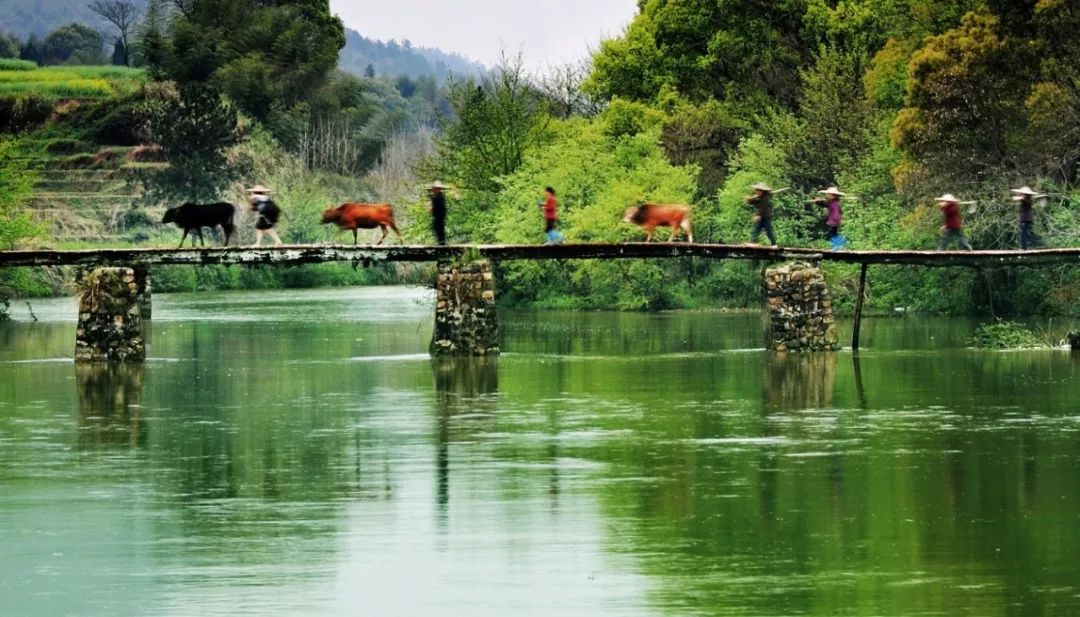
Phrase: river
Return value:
(298, 453)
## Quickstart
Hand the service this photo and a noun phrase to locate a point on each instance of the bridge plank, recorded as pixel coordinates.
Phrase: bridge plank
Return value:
(303, 254)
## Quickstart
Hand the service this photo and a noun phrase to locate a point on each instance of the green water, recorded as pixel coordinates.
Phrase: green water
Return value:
(299, 454)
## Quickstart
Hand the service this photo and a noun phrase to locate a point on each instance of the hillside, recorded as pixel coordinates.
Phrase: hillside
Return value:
(24, 18)
(393, 58)
(80, 133)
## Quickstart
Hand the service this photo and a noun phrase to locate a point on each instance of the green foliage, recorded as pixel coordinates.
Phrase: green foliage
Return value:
(496, 121)
(75, 43)
(18, 113)
(950, 125)
(1006, 335)
(285, 51)
(195, 128)
(14, 64)
(623, 117)
(836, 120)
(16, 187)
(10, 47)
(704, 135)
(726, 49)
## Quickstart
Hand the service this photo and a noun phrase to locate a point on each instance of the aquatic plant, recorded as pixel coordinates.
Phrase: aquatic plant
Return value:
(1007, 335)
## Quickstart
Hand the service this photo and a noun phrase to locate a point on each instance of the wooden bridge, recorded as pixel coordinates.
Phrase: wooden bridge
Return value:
(306, 254)
(465, 294)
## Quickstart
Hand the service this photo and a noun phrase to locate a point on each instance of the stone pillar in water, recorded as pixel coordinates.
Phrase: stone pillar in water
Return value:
(465, 319)
(110, 317)
(800, 309)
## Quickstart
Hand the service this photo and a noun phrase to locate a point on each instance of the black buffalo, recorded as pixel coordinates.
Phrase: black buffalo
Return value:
(193, 217)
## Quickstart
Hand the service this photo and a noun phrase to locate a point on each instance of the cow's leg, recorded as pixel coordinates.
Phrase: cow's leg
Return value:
(674, 233)
(355, 238)
(202, 242)
(385, 232)
(648, 233)
(227, 229)
(183, 237)
(689, 231)
(394, 227)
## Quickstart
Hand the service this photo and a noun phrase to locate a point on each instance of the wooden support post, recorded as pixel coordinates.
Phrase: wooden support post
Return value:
(858, 308)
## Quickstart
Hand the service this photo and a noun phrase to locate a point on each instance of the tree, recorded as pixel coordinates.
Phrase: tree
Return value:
(196, 129)
(836, 119)
(562, 86)
(151, 43)
(264, 55)
(9, 46)
(1053, 105)
(31, 49)
(704, 49)
(495, 122)
(72, 44)
(124, 16)
(964, 103)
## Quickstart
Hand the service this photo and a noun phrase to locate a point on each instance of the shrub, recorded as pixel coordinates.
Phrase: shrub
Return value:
(23, 112)
(66, 146)
(1006, 335)
(12, 64)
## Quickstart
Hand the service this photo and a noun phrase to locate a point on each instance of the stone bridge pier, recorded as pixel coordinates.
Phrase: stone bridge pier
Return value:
(466, 323)
(111, 305)
(800, 309)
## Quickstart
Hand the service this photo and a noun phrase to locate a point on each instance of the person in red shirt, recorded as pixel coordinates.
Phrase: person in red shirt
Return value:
(953, 229)
(551, 216)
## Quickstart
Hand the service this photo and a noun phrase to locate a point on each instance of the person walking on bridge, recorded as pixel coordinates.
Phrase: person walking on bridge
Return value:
(267, 211)
(953, 229)
(831, 202)
(550, 207)
(1026, 197)
(438, 212)
(761, 201)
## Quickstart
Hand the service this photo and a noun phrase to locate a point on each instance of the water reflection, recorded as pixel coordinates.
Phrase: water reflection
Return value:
(267, 462)
(465, 390)
(110, 404)
(795, 382)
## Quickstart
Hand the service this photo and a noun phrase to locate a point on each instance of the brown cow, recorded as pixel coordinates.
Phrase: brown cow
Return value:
(362, 216)
(651, 216)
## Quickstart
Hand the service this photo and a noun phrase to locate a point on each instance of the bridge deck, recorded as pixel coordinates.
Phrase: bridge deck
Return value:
(302, 254)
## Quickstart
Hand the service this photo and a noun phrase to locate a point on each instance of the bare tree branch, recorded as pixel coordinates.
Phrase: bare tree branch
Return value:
(122, 14)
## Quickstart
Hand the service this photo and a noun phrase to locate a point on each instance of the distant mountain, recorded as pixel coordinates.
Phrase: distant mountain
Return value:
(393, 58)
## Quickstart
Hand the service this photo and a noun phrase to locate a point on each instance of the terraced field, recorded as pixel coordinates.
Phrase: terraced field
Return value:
(78, 127)
(90, 197)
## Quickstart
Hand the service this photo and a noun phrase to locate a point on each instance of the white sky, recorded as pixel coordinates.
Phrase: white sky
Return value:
(547, 31)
